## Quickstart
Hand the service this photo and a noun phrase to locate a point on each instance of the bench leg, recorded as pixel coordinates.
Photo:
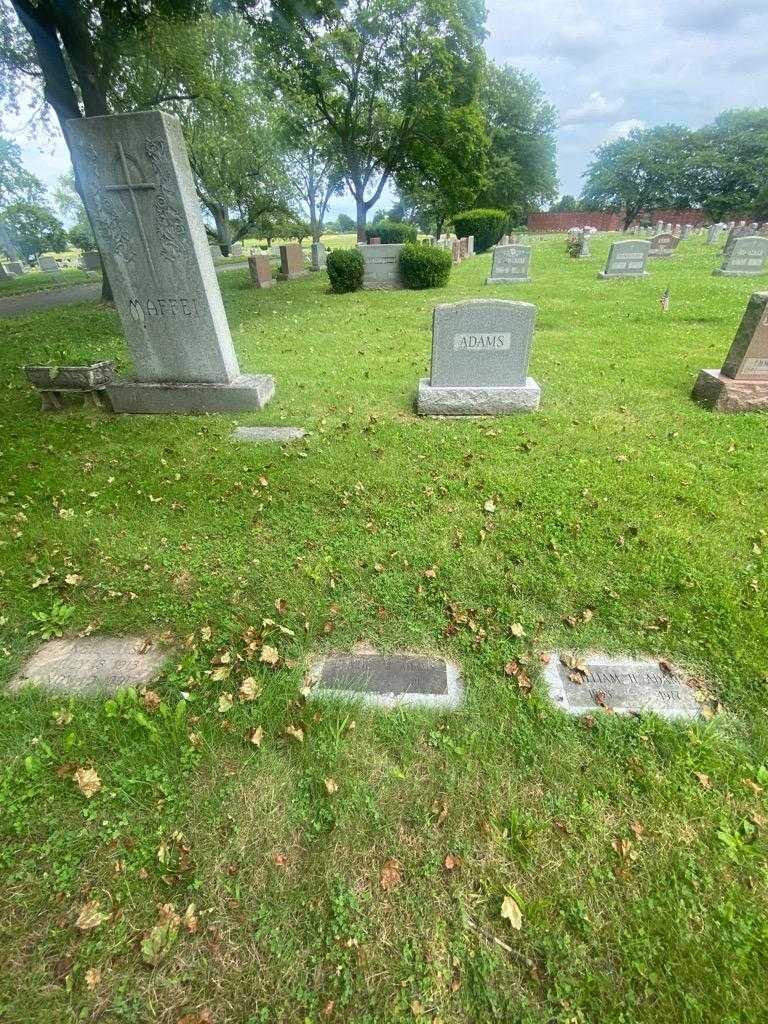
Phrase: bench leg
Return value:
(50, 401)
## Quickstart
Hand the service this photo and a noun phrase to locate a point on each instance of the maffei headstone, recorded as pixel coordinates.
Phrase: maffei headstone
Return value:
(742, 384)
(318, 256)
(381, 265)
(510, 264)
(745, 258)
(480, 353)
(663, 246)
(626, 258)
(141, 199)
(260, 270)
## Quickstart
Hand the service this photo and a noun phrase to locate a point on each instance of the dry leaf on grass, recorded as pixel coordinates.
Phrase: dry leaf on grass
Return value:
(249, 689)
(391, 875)
(90, 916)
(295, 732)
(92, 978)
(88, 782)
(255, 736)
(451, 862)
(704, 780)
(516, 629)
(269, 655)
(331, 786)
(510, 911)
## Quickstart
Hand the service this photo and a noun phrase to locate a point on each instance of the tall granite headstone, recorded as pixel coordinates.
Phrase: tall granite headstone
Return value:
(480, 353)
(742, 384)
(292, 263)
(141, 198)
(318, 256)
(260, 270)
(626, 258)
(381, 265)
(663, 246)
(510, 264)
(745, 258)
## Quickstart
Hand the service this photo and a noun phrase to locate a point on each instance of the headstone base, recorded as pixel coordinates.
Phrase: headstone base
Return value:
(603, 276)
(508, 280)
(292, 277)
(736, 273)
(723, 394)
(476, 401)
(244, 394)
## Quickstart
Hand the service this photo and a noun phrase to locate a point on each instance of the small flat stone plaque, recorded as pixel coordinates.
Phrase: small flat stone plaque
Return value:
(388, 679)
(261, 435)
(623, 685)
(89, 665)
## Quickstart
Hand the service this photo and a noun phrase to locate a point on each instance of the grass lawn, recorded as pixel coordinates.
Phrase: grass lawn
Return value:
(38, 281)
(642, 884)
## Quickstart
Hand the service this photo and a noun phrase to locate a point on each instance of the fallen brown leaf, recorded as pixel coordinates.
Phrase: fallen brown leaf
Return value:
(391, 875)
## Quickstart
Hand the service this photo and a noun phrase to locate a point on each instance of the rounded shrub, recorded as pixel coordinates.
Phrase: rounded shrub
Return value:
(345, 269)
(391, 231)
(424, 266)
(486, 225)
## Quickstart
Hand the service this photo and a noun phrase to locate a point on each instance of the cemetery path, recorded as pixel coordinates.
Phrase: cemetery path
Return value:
(34, 302)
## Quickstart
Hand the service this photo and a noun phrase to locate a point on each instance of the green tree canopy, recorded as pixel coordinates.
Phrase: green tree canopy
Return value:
(522, 169)
(17, 184)
(650, 167)
(378, 74)
(566, 204)
(730, 164)
(33, 228)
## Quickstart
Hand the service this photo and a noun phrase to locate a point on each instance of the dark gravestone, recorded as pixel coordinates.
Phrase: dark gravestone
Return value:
(388, 679)
(260, 271)
(292, 263)
(622, 685)
(742, 384)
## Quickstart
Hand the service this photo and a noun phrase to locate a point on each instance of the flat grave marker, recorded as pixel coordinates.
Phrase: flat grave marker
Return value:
(387, 680)
(261, 435)
(623, 685)
(92, 664)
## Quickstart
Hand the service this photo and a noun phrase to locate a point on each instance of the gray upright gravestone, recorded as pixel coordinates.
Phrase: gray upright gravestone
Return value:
(626, 259)
(381, 265)
(141, 199)
(745, 258)
(742, 384)
(480, 353)
(510, 264)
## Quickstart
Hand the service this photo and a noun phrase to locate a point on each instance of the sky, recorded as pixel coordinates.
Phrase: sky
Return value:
(606, 65)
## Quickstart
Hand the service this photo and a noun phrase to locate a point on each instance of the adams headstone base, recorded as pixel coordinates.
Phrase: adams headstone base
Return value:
(623, 685)
(451, 400)
(723, 394)
(246, 393)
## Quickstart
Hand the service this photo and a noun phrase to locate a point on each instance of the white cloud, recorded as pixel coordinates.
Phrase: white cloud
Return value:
(622, 128)
(596, 107)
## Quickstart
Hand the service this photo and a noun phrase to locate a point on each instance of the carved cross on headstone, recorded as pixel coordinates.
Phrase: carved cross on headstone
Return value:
(132, 187)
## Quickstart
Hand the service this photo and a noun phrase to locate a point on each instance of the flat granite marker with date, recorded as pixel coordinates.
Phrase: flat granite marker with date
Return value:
(624, 685)
(141, 199)
(480, 354)
(742, 384)
(387, 679)
(91, 664)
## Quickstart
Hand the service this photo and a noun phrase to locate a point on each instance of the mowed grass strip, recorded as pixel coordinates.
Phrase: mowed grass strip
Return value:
(634, 848)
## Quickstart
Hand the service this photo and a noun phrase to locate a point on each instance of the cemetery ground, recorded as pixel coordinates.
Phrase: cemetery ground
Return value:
(254, 856)
(38, 281)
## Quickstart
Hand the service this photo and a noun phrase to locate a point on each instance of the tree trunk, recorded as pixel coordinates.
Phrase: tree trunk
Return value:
(362, 214)
(223, 227)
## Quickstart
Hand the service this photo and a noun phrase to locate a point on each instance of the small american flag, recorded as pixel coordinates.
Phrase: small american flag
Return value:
(665, 300)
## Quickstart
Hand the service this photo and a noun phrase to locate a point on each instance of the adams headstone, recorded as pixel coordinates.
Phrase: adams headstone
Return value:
(480, 354)
(141, 199)
(626, 258)
(510, 264)
(742, 384)
(381, 265)
(622, 685)
(745, 258)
